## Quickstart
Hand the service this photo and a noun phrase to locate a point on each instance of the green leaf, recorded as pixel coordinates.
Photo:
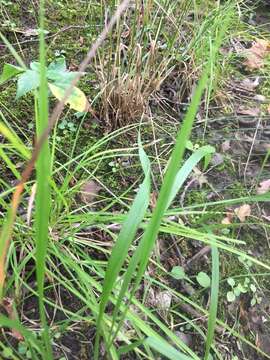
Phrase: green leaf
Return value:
(208, 158)
(7, 353)
(9, 71)
(236, 291)
(231, 296)
(58, 64)
(203, 279)
(35, 66)
(242, 289)
(77, 100)
(22, 348)
(28, 81)
(253, 302)
(178, 273)
(231, 282)
(253, 288)
(61, 78)
(189, 145)
(166, 349)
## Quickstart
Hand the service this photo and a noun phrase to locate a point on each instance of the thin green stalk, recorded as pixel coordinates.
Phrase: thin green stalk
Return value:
(214, 301)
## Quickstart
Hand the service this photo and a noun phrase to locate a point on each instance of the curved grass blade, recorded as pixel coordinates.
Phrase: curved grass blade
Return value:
(180, 178)
(187, 168)
(166, 349)
(126, 236)
(13, 138)
(143, 252)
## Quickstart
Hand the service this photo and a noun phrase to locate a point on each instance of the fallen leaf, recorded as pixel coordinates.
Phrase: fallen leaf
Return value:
(217, 159)
(31, 32)
(250, 84)
(256, 54)
(249, 111)
(199, 177)
(163, 300)
(228, 219)
(260, 98)
(263, 187)
(153, 199)
(89, 191)
(226, 145)
(242, 212)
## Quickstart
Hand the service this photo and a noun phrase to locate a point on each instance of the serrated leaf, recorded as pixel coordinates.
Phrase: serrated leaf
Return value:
(77, 100)
(61, 77)
(35, 66)
(231, 296)
(203, 279)
(58, 64)
(178, 273)
(28, 81)
(9, 71)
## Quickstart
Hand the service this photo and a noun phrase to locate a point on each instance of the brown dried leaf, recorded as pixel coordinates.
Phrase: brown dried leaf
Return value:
(226, 145)
(260, 98)
(242, 212)
(163, 300)
(199, 177)
(250, 84)
(89, 191)
(153, 199)
(263, 187)
(256, 54)
(228, 219)
(7, 303)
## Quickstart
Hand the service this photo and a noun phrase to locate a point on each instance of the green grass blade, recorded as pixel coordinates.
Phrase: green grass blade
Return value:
(143, 252)
(214, 301)
(166, 349)
(127, 234)
(13, 138)
(43, 199)
(14, 53)
(186, 169)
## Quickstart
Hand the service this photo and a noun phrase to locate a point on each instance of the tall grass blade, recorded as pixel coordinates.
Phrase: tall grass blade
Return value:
(43, 198)
(127, 234)
(143, 252)
(214, 301)
(166, 349)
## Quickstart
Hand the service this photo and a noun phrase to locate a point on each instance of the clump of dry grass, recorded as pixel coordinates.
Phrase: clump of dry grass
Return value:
(126, 92)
